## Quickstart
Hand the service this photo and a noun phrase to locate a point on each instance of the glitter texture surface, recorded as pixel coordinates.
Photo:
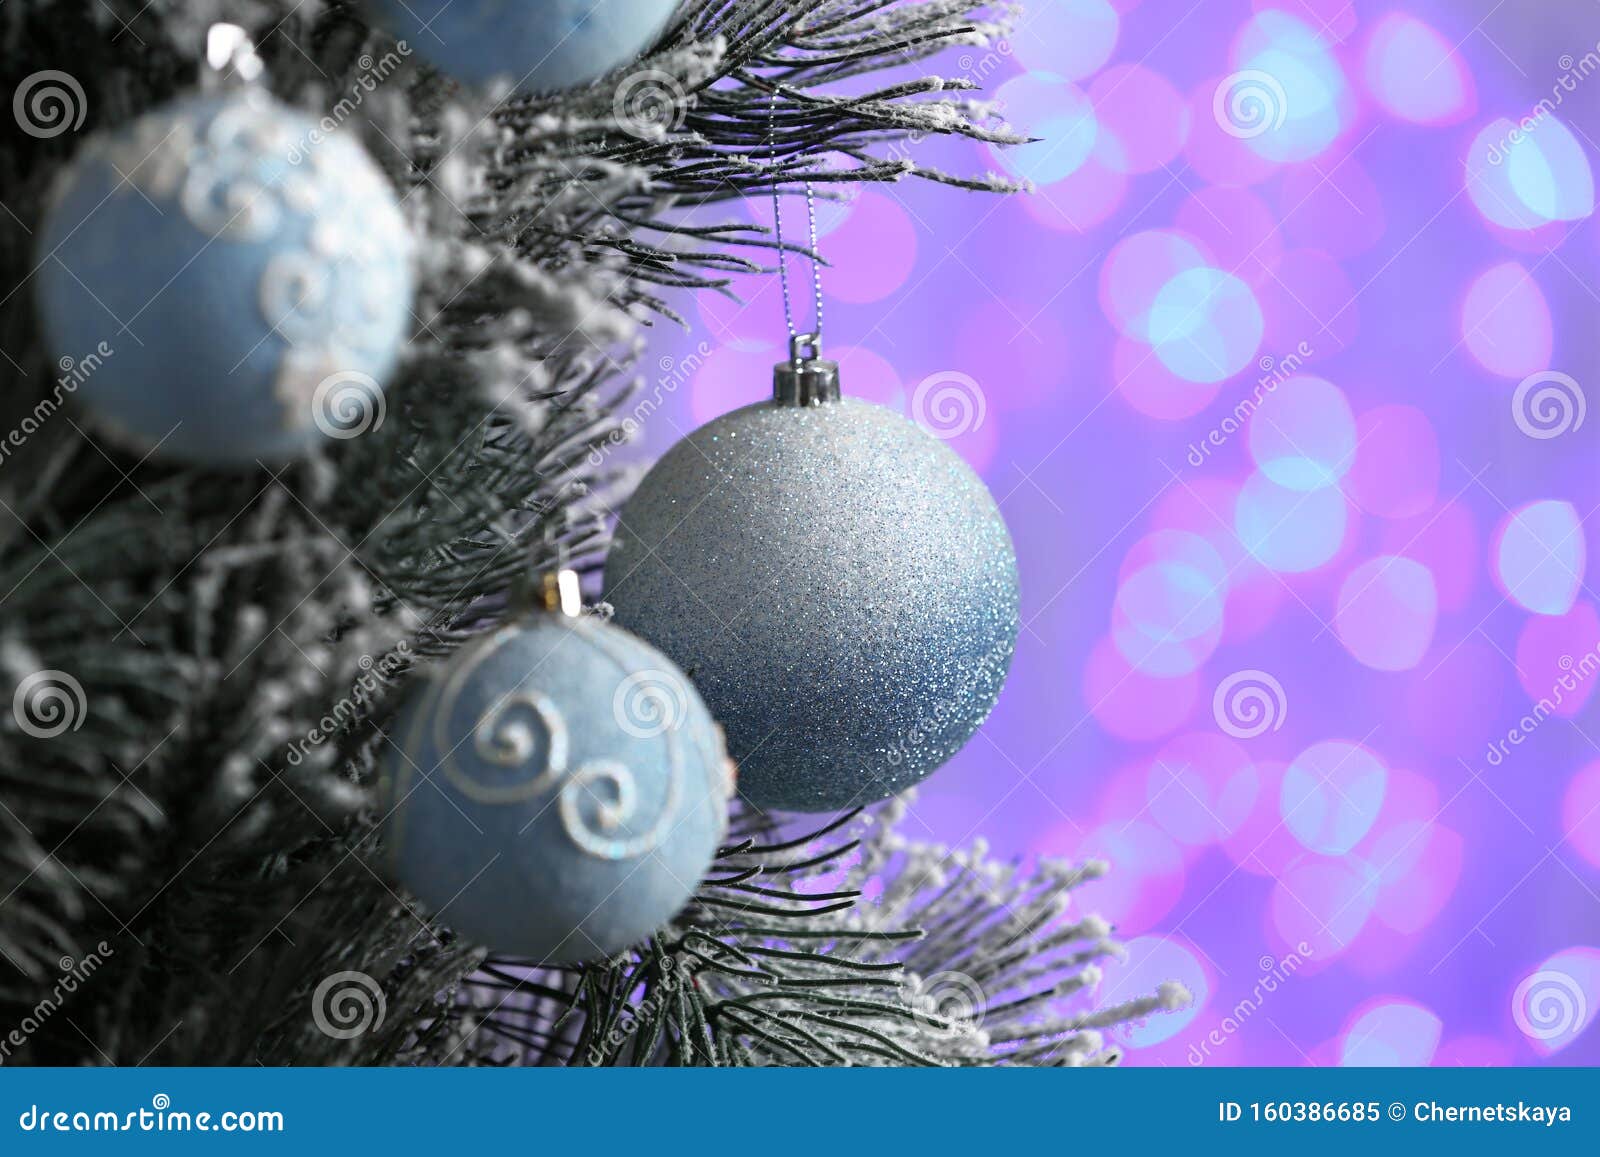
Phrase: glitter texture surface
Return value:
(839, 585)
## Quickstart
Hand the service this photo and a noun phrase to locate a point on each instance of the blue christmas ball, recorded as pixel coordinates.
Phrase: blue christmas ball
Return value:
(231, 280)
(537, 45)
(556, 791)
(838, 583)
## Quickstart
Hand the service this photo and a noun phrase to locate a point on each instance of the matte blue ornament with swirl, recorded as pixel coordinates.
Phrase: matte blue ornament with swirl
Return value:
(556, 791)
(246, 268)
(537, 45)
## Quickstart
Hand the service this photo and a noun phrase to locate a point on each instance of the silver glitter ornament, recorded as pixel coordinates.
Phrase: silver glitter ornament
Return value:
(837, 582)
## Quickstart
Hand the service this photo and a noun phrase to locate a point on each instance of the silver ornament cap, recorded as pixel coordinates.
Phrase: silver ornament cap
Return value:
(806, 379)
(835, 580)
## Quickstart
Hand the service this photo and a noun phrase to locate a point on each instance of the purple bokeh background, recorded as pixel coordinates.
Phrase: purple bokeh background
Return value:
(1279, 381)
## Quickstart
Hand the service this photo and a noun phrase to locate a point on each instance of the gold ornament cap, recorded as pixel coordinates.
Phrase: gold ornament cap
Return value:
(553, 592)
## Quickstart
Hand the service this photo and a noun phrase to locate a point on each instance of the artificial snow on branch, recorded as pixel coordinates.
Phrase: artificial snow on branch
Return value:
(230, 646)
(784, 959)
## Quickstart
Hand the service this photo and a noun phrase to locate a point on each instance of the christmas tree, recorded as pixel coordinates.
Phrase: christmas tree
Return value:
(208, 656)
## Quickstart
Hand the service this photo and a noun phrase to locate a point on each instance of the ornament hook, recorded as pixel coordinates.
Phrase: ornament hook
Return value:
(804, 347)
(805, 379)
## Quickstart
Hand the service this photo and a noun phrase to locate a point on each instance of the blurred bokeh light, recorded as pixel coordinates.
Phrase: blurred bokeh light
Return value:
(1284, 371)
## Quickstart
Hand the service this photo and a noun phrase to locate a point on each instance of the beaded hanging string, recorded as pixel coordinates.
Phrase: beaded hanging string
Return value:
(811, 339)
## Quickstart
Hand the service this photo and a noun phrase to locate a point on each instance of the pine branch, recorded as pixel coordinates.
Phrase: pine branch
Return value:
(240, 640)
(958, 961)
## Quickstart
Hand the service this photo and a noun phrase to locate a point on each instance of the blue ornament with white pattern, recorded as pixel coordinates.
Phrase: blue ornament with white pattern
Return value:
(241, 274)
(555, 791)
(536, 45)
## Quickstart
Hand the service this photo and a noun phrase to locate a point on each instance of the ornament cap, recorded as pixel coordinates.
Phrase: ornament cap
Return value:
(806, 379)
(231, 58)
(554, 592)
